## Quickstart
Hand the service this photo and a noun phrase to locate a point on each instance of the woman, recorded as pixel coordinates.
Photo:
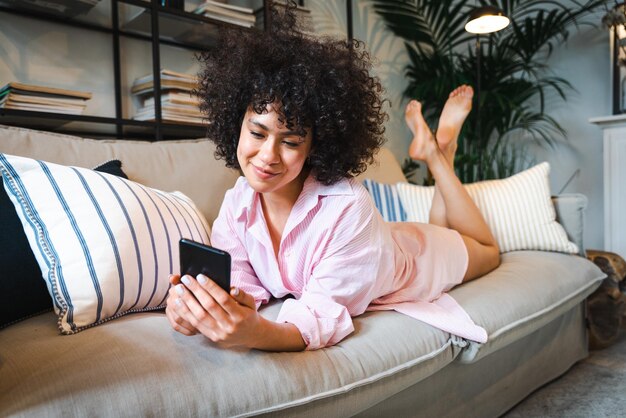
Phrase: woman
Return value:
(300, 117)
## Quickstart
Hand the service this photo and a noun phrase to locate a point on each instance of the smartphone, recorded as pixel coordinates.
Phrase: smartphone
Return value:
(197, 258)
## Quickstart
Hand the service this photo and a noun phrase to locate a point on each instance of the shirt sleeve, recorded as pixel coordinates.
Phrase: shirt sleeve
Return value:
(343, 282)
(224, 235)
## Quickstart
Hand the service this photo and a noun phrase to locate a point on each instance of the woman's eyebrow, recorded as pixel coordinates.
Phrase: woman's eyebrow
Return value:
(260, 125)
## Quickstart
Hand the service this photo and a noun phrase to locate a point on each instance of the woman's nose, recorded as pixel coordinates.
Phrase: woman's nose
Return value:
(269, 152)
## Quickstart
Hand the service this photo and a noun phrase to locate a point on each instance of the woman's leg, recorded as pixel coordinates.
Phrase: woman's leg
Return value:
(451, 121)
(460, 212)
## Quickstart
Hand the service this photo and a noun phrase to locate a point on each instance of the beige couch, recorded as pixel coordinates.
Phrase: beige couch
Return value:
(532, 307)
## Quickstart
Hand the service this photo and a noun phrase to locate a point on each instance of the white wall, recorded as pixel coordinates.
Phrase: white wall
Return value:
(585, 62)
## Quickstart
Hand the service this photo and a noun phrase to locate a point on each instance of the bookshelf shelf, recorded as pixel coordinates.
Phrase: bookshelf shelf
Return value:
(97, 126)
(151, 23)
(176, 27)
(63, 20)
(183, 29)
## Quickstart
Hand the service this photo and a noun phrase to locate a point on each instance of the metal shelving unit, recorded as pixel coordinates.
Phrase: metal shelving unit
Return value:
(201, 32)
(199, 27)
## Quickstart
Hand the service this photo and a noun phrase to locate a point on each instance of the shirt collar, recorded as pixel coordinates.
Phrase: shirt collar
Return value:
(246, 197)
(315, 188)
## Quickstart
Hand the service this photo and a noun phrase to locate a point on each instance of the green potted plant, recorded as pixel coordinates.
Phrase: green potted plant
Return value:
(515, 80)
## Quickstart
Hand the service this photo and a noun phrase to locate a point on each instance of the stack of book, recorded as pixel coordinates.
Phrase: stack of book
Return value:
(57, 7)
(21, 96)
(178, 103)
(236, 15)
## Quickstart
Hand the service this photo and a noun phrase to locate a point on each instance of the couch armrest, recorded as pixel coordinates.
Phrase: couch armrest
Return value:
(570, 212)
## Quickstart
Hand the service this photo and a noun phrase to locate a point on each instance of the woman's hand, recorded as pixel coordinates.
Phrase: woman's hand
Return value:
(176, 321)
(200, 305)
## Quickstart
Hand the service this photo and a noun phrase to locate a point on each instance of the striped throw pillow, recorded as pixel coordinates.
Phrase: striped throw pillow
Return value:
(386, 200)
(105, 245)
(518, 210)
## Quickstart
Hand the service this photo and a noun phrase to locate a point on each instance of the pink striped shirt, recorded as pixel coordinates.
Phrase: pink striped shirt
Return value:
(338, 258)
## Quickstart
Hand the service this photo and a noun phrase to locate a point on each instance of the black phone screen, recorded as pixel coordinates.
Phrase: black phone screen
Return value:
(197, 258)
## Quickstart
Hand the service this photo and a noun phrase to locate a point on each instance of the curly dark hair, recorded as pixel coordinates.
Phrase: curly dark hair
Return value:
(321, 84)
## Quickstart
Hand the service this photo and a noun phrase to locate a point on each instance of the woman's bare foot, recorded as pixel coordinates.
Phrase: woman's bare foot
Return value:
(452, 117)
(423, 145)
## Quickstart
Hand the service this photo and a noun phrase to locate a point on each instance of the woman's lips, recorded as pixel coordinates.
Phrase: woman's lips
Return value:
(262, 174)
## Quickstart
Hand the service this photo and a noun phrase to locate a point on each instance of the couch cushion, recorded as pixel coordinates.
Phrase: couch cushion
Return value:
(385, 168)
(138, 366)
(188, 166)
(528, 290)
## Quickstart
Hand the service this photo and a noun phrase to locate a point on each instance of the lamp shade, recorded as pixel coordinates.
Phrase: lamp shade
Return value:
(486, 19)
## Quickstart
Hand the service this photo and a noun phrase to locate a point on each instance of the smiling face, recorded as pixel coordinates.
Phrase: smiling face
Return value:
(272, 156)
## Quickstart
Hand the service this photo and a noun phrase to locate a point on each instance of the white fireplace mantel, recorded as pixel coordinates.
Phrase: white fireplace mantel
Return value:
(614, 128)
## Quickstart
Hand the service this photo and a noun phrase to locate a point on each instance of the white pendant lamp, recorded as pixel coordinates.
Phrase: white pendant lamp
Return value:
(486, 19)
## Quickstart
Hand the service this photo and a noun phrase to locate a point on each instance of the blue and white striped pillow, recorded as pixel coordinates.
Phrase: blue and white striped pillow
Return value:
(386, 199)
(105, 245)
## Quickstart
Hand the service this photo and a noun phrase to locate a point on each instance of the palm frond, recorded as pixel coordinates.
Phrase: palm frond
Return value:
(405, 20)
(517, 87)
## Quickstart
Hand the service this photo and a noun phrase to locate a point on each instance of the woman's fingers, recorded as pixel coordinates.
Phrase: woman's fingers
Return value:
(188, 308)
(223, 298)
(176, 321)
(178, 324)
(243, 298)
(200, 302)
(222, 317)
